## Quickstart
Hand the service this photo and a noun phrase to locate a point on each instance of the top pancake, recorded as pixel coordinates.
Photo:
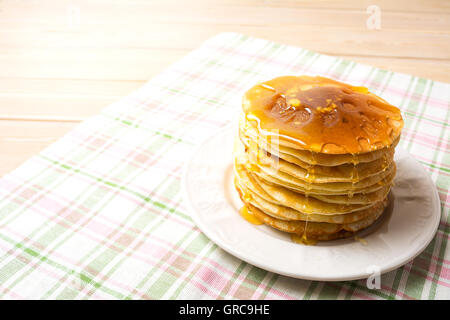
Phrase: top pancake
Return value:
(323, 115)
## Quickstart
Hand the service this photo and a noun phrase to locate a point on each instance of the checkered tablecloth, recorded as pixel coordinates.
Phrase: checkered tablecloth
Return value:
(99, 214)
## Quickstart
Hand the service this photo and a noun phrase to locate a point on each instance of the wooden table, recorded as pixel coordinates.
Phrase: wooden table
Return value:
(63, 61)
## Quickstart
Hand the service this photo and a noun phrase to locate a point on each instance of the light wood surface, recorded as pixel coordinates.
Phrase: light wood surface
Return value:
(62, 61)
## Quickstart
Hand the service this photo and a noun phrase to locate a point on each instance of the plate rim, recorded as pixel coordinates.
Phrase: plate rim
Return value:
(230, 250)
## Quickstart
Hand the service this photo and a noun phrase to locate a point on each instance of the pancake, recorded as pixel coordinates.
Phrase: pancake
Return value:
(345, 170)
(316, 230)
(310, 157)
(271, 174)
(314, 157)
(277, 210)
(283, 194)
(320, 174)
(298, 201)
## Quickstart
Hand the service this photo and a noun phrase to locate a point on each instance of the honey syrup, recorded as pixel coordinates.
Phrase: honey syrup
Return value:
(323, 115)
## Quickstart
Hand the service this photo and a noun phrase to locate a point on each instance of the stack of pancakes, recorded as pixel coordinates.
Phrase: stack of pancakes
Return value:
(314, 157)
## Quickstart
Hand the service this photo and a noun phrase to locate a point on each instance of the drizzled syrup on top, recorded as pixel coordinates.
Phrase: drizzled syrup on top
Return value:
(323, 115)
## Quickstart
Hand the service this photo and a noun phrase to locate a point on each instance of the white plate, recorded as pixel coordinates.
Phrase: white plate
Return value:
(404, 231)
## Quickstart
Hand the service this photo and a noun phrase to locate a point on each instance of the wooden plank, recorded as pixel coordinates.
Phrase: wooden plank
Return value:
(420, 6)
(98, 15)
(207, 11)
(92, 63)
(59, 87)
(80, 63)
(57, 108)
(58, 99)
(417, 6)
(108, 43)
(78, 99)
(430, 69)
(20, 140)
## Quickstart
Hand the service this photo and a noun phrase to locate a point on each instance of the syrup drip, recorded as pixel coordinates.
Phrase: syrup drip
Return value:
(310, 177)
(354, 177)
(361, 240)
(302, 240)
(248, 215)
(310, 171)
(313, 157)
(253, 146)
(247, 197)
(305, 231)
(385, 164)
